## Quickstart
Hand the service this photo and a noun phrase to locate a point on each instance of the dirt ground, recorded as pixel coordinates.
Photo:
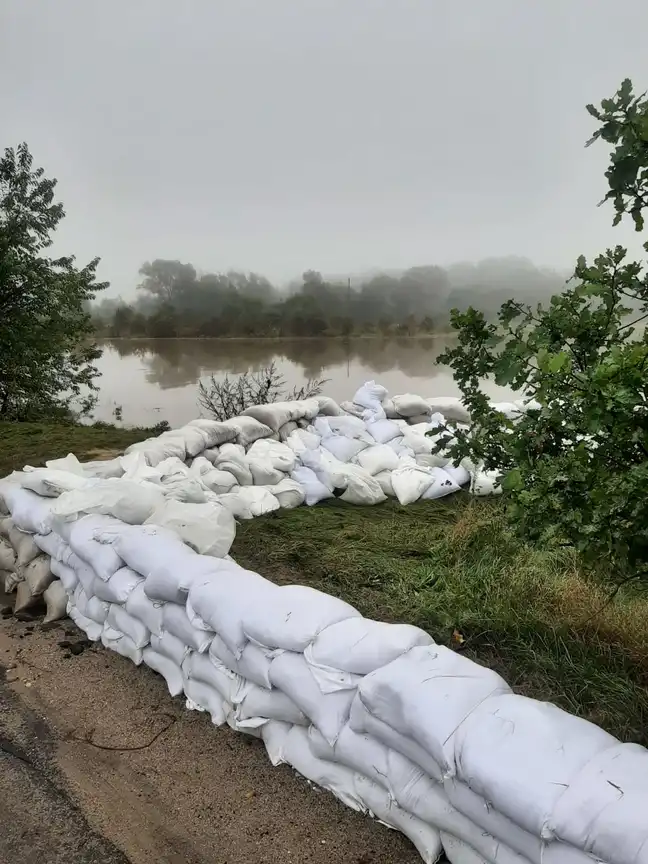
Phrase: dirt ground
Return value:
(99, 765)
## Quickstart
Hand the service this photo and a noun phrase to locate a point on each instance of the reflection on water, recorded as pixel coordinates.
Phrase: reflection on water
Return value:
(156, 379)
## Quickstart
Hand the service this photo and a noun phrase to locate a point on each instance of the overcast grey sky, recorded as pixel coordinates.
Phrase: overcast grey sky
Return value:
(342, 135)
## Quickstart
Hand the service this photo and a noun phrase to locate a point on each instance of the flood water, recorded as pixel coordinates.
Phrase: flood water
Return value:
(157, 379)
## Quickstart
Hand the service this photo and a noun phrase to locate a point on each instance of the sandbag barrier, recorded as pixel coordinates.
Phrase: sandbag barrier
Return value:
(420, 737)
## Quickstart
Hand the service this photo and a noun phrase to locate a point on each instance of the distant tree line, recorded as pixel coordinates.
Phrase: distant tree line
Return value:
(173, 299)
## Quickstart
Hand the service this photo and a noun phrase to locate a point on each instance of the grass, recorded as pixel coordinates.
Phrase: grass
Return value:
(34, 443)
(451, 567)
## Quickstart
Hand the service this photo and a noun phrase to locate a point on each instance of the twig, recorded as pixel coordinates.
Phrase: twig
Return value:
(609, 600)
(88, 739)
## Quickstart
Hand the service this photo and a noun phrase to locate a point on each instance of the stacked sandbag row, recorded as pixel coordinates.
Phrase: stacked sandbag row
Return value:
(421, 737)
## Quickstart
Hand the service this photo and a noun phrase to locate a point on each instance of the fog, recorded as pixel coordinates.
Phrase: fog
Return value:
(276, 136)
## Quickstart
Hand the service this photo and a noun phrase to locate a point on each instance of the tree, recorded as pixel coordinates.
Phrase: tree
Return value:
(46, 356)
(576, 465)
(166, 280)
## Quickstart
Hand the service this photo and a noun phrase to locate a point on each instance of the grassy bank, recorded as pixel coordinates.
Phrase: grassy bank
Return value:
(451, 567)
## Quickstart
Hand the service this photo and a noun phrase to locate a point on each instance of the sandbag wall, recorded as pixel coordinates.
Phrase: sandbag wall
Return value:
(427, 741)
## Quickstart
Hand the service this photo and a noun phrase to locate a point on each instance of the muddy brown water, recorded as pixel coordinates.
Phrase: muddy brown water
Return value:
(157, 379)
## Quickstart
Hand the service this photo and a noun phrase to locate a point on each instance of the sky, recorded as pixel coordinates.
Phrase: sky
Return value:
(338, 135)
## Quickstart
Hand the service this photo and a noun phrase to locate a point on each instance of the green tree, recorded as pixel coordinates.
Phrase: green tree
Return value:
(46, 356)
(575, 465)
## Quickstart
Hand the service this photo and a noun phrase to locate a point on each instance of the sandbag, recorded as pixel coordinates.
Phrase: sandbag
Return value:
(385, 483)
(328, 712)
(92, 629)
(148, 611)
(118, 588)
(338, 779)
(248, 430)
(451, 407)
(215, 431)
(102, 557)
(442, 484)
(38, 575)
(425, 838)
(127, 501)
(603, 810)
(90, 607)
(202, 697)
(199, 667)
(25, 599)
(119, 619)
(383, 430)
(343, 652)
(378, 458)
(291, 616)
(219, 481)
(314, 490)
(121, 644)
(66, 575)
(253, 664)
(84, 573)
(410, 482)
(55, 599)
(247, 502)
(288, 493)
(460, 852)
(175, 620)
(7, 556)
(370, 395)
(165, 667)
(409, 405)
(274, 734)
(207, 528)
(49, 482)
(170, 646)
(53, 545)
(426, 694)
(356, 750)
(260, 704)
(222, 601)
(507, 731)
(328, 407)
(360, 720)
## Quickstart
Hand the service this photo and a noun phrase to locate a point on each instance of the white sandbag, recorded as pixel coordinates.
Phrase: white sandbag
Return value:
(215, 432)
(165, 667)
(119, 619)
(121, 644)
(195, 438)
(509, 409)
(432, 460)
(507, 731)
(425, 838)
(208, 528)
(359, 645)
(158, 449)
(328, 407)
(238, 469)
(451, 407)
(200, 667)
(370, 395)
(603, 810)
(247, 502)
(187, 490)
(288, 493)
(378, 458)
(99, 469)
(302, 439)
(356, 750)
(383, 430)
(348, 426)
(202, 697)
(219, 481)
(65, 574)
(263, 474)
(118, 588)
(361, 488)
(410, 482)
(274, 453)
(248, 430)
(459, 474)
(416, 419)
(50, 483)
(426, 694)
(169, 580)
(286, 431)
(459, 852)
(148, 611)
(442, 484)
(408, 405)
(29, 511)
(55, 599)
(487, 822)
(328, 775)
(38, 575)
(53, 545)
(385, 482)
(175, 620)
(360, 720)
(314, 490)
(127, 501)
(253, 664)
(84, 573)
(170, 646)
(292, 616)
(352, 409)
(274, 734)
(483, 483)
(222, 601)
(90, 607)
(328, 712)
(92, 629)
(344, 449)
(6, 524)
(7, 556)
(260, 704)
(102, 557)
(274, 415)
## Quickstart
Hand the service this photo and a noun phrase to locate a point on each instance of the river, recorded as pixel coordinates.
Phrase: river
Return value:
(151, 380)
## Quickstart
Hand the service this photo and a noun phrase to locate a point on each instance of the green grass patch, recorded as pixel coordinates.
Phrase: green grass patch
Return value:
(453, 568)
(33, 443)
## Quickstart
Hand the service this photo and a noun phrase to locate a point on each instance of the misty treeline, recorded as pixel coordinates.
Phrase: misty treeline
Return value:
(173, 299)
